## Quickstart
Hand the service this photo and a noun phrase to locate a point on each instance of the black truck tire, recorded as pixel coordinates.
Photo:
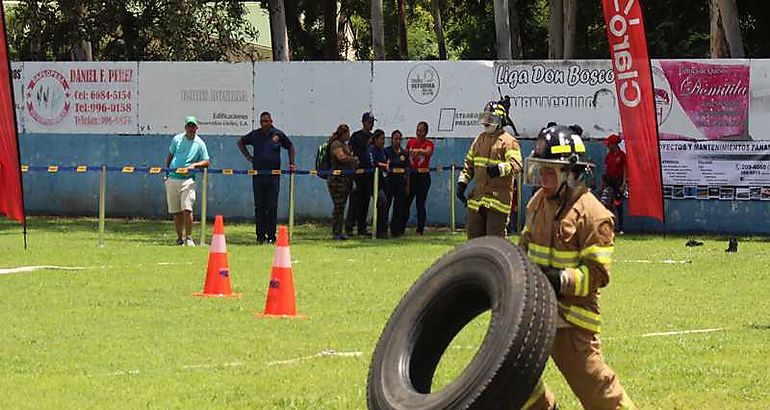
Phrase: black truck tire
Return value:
(483, 274)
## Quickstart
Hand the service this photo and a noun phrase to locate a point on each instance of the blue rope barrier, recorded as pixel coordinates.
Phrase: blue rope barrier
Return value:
(224, 171)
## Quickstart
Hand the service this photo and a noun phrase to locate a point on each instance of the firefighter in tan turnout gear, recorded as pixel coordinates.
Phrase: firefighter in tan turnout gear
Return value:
(569, 234)
(493, 161)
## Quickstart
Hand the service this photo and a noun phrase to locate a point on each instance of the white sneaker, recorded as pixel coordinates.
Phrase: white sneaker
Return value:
(189, 242)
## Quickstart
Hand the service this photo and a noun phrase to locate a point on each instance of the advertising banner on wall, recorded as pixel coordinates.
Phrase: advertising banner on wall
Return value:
(82, 97)
(569, 92)
(708, 148)
(702, 100)
(312, 98)
(218, 94)
(447, 95)
(17, 79)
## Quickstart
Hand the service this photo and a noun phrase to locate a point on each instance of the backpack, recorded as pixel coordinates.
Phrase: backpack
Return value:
(323, 160)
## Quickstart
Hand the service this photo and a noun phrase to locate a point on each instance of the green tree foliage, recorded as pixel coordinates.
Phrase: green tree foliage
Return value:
(134, 30)
(217, 30)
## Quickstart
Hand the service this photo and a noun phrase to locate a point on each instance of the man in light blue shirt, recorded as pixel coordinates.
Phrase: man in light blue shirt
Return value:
(186, 152)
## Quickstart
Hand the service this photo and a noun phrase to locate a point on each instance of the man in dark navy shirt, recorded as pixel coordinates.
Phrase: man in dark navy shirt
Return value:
(380, 162)
(266, 142)
(358, 207)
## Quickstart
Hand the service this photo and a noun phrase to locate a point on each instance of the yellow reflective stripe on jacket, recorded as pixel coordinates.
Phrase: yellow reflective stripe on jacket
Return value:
(582, 318)
(582, 280)
(601, 254)
(543, 255)
(489, 202)
(536, 395)
(513, 154)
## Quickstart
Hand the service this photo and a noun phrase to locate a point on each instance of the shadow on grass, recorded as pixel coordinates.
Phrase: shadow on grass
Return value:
(161, 232)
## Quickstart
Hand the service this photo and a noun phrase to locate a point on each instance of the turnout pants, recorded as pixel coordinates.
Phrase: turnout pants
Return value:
(578, 355)
(265, 189)
(485, 222)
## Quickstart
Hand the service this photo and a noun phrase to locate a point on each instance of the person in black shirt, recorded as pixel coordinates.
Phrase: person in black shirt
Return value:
(266, 142)
(396, 183)
(358, 208)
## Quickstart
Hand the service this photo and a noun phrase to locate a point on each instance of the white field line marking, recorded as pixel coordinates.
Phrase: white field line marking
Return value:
(211, 366)
(324, 353)
(123, 373)
(668, 261)
(23, 269)
(682, 332)
(672, 333)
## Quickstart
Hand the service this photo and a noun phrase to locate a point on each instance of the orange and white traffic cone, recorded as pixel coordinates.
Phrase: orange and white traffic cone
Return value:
(280, 293)
(217, 283)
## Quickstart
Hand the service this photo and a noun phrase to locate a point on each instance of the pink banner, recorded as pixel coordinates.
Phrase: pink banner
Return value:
(715, 97)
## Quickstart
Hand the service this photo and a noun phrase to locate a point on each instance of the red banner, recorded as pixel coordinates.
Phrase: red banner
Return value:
(633, 80)
(11, 203)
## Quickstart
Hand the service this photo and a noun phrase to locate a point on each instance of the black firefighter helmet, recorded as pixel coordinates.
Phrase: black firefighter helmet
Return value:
(558, 147)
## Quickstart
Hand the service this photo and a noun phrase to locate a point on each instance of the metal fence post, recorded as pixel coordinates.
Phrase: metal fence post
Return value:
(291, 206)
(375, 196)
(452, 221)
(102, 202)
(204, 200)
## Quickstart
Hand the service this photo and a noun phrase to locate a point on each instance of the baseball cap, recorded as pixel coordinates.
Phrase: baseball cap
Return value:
(368, 116)
(613, 139)
(191, 119)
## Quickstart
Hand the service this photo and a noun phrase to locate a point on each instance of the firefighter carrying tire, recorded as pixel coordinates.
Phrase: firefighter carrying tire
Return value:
(486, 273)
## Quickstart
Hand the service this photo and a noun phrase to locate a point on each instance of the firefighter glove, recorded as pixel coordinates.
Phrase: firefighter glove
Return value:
(493, 170)
(554, 277)
(461, 186)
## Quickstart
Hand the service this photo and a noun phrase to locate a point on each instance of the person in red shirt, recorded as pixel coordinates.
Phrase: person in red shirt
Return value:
(614, 179)
(420, 150)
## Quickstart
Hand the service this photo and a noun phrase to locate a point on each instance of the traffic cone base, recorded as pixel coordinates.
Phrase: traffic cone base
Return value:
(281, 302)
(217, 283)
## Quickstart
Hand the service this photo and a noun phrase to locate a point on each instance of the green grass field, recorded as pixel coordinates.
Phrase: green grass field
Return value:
(125, 331)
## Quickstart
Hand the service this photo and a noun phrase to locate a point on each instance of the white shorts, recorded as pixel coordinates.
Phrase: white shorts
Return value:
(180, 194)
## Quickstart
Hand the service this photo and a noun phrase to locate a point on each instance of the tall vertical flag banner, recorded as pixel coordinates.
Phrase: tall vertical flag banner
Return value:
(633, 81)
(11, 200)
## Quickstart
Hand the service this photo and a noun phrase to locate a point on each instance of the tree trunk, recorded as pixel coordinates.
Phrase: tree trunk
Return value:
(719, 47)
(278, 32)
(378, 30)
(81, 49)
(513, 19)
(439, 28)
(502, 30)
(33, 53)
(345, 45)
(728, 10)
(403, 47)
(331, 44)
(556, 31)
(570, 27)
